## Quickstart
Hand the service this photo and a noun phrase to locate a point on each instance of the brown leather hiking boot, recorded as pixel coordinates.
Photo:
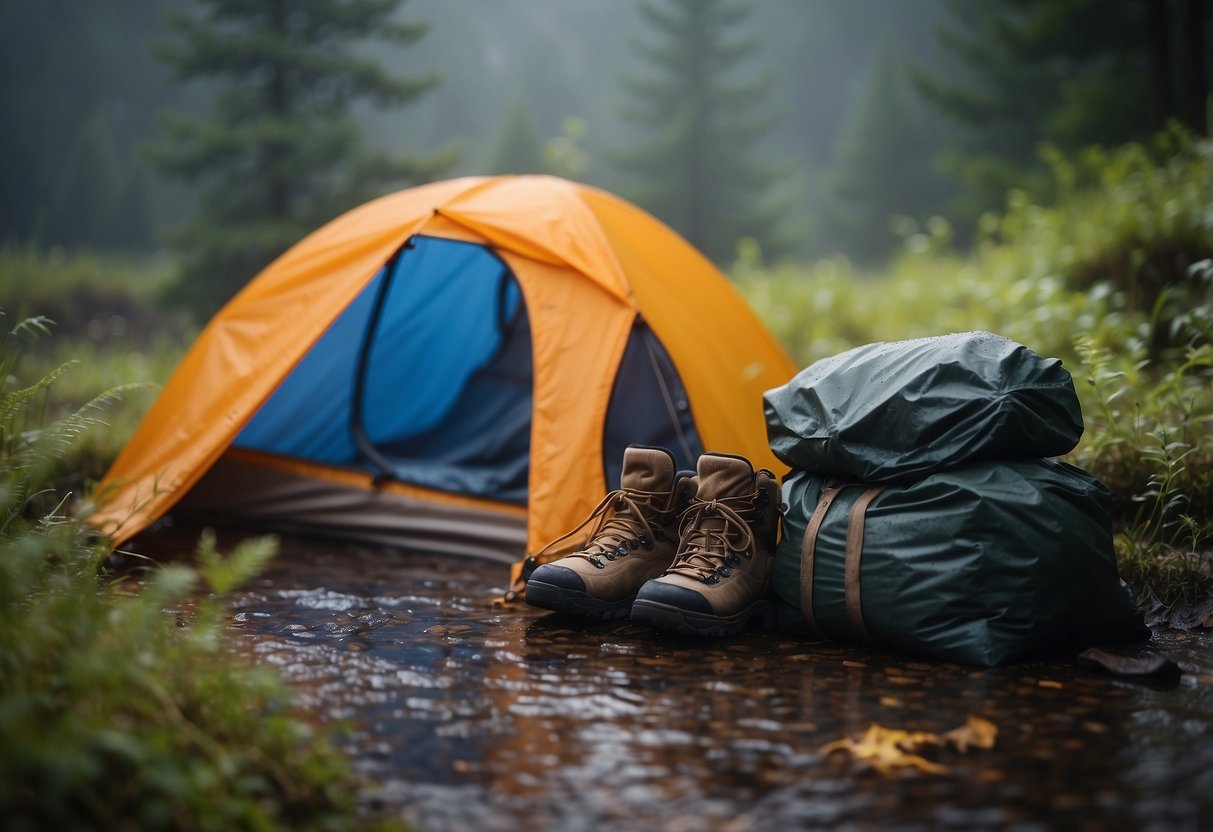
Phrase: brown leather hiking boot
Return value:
(633, 539)
(721, 575)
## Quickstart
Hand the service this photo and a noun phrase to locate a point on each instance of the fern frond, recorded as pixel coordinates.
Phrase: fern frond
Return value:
(41, 448)
(12, 403)
(33, 327)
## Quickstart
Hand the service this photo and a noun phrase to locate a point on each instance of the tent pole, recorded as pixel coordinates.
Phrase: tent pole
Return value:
(361, 440)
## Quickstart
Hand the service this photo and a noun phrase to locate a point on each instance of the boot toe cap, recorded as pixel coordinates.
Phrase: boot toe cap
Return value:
(673, 595)
(561, 576)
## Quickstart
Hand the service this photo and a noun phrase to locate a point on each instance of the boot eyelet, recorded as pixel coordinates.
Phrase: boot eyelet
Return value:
(597, 562)
(646, 543)
(725, 571)
(733, 560)
(622, 550)
(712, 579)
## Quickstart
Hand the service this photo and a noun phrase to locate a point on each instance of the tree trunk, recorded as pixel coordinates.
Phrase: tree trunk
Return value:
(1158, 32)
(1195, 80)
(279, 196)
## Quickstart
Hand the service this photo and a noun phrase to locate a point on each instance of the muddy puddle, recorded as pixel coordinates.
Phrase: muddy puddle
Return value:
(465, 716)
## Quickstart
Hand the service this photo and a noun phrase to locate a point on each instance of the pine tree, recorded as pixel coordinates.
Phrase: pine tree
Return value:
(280, 152)
(701, 167)
(79, 88)
(1071, 73)
(517, 147)
(90, 185)
(883, 166)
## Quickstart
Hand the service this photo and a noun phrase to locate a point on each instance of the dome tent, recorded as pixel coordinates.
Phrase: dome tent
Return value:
(455, 367)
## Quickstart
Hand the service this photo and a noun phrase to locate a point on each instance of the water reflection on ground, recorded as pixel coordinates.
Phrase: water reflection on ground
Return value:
(470, 717)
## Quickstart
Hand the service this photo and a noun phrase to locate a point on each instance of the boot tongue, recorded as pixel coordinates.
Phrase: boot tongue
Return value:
(647, 469)
(724, 476)
(710, 538)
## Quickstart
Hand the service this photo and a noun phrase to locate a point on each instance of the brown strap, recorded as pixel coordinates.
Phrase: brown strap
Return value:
(854, 554)
(807, 549)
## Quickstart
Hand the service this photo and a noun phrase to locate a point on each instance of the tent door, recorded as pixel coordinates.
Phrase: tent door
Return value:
(649, 406)
(442, 393)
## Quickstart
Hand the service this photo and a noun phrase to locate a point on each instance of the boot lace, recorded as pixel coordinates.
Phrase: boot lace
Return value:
(715, 535)
(621, 526)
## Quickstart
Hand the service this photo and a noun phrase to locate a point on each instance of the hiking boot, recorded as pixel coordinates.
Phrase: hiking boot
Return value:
(634, 539)
(721, 575)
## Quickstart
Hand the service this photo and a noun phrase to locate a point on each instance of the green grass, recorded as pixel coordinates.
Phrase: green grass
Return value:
(97, 297)
(104, 330)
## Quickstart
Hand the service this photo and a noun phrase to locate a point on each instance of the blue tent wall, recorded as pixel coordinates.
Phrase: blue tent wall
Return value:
(447, 379)
(308, 416)
(442, 321)
(443, 318)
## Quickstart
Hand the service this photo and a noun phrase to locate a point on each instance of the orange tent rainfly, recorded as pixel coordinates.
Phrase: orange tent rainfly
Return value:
(454, 368)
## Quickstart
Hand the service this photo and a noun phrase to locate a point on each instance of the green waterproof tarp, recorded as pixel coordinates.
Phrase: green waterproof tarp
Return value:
(982, 564)
(894, 412)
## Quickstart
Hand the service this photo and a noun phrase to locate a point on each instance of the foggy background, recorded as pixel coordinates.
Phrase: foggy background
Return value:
(82, 87)
(848, 154)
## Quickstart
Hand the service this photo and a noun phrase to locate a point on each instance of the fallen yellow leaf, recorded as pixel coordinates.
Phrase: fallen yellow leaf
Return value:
(976, 732)
(887, 749)
(881, 749)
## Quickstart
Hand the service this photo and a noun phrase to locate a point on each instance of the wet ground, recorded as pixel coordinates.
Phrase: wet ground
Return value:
(465, 716)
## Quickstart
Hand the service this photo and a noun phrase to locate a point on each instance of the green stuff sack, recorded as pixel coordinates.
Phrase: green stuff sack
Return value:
(898, 411)
(982, 565)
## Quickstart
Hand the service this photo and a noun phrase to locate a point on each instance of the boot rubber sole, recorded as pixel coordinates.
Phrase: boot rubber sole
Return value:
(671, 619)
(574, 602)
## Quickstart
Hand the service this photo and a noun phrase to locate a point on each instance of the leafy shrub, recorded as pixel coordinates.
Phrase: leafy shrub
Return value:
(1136, 218)
(114, 712)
